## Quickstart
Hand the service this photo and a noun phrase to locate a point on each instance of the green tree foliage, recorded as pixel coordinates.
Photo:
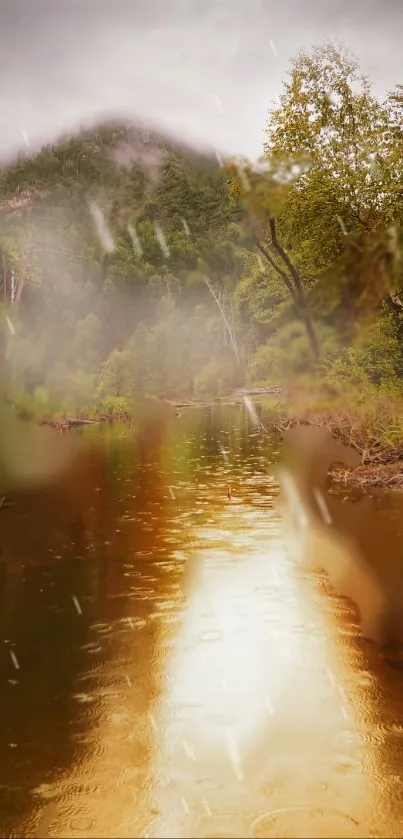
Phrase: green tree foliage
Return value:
(116, 374)
(336, 151)
(130, 266)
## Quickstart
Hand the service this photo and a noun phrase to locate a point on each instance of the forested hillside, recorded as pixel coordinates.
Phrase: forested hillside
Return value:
(131, 266)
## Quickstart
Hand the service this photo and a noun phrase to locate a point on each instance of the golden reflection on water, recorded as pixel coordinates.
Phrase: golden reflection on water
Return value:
(252, 727)
(221, 690)
(255, 715)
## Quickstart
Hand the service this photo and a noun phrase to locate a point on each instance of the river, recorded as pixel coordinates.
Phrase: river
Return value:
(167, 670)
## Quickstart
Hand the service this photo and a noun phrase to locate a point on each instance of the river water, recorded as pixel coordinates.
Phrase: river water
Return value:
(167, 670)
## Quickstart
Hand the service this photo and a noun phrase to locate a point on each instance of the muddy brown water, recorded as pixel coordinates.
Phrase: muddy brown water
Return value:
(167, 670)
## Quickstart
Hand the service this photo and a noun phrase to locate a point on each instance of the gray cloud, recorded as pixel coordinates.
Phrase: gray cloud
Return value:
(72, 62)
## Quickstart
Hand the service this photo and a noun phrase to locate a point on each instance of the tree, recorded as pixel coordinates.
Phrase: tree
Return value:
(87, 340)
(116, 375)
(327, 111)
(261, 193)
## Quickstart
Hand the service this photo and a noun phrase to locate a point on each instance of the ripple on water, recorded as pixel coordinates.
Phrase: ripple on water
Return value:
(91, 648)
(346, 764)
(382, 731)
(81, 824)
(209, 784)
(210, 635)
(364, 680)
(91, 751)
(131, 623)
(143, 593)
(93, 670)
(85, 698)
(318, 786)
(165, 618)
(356, 739)
(387, 779)
(102, 628)
(336, 603)
(300, 822)
(79, 789)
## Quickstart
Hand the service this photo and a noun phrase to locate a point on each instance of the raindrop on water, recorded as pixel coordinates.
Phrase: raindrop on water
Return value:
(77, 604)
(14, 659)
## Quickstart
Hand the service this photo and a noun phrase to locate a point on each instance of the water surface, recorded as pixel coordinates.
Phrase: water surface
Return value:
(167, 670)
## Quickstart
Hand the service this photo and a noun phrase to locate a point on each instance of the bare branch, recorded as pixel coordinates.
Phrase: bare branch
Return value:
(280, 272)
(225, 319)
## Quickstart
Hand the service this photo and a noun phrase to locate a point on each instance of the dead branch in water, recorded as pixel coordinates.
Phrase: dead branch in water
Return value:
(71, 422)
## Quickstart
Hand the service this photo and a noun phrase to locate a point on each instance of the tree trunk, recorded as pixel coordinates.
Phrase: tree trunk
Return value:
(299, 290)
(293, 284)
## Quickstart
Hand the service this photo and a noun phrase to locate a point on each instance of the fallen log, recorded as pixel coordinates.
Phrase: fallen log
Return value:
(71, 422)
(273, 390)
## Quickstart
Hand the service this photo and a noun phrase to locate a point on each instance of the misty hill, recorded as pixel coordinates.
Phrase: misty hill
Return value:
(129, 163)
(106, 238)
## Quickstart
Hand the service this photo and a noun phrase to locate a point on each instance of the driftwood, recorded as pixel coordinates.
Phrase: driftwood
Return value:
(259, 391)
(72, 422)
(219, 400)
(184, 403)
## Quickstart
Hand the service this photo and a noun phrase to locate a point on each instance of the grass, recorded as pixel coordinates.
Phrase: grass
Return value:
(370, 420)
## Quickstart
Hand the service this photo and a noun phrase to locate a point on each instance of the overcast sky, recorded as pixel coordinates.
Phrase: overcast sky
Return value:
(64, 63)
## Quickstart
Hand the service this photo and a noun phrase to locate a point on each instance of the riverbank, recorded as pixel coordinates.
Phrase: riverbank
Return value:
(372, 472)
(387, 476)
(370, 423)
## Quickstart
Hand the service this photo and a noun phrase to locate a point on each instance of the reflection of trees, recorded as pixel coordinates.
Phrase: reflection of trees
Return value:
(102, 500)
(42, 536)
(228, 428)
(131, 498)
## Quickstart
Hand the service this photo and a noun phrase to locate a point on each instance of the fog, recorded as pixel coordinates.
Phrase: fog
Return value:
(202, 71)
